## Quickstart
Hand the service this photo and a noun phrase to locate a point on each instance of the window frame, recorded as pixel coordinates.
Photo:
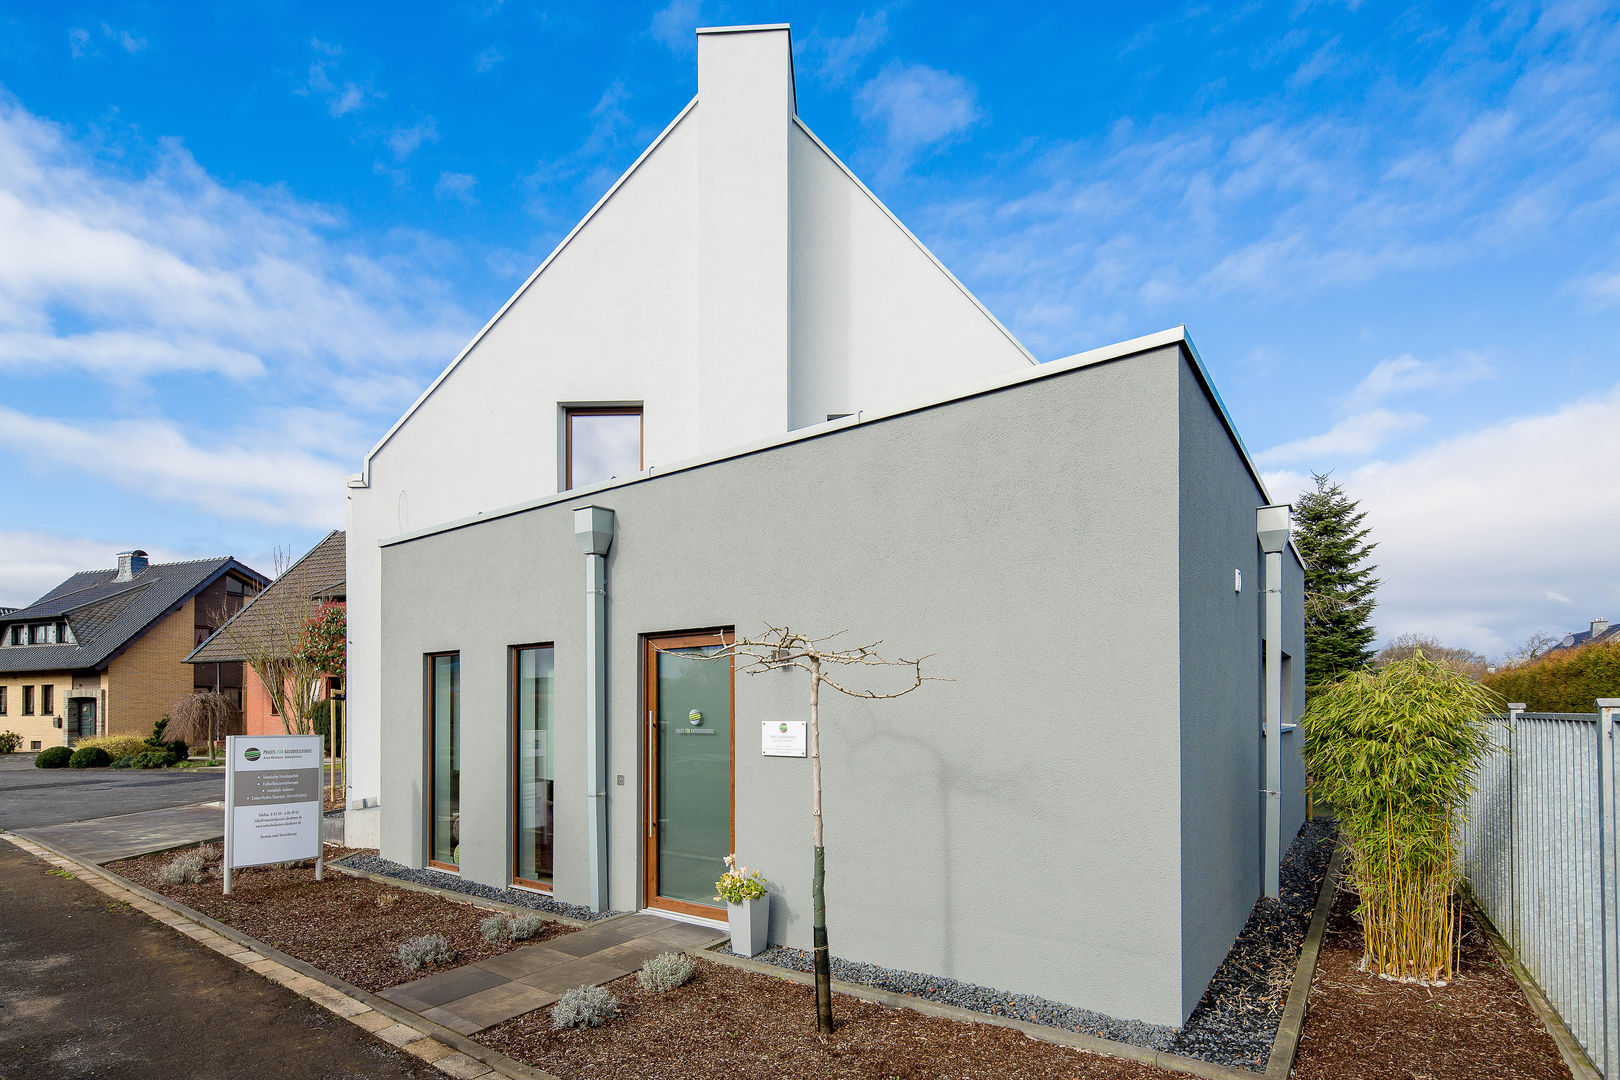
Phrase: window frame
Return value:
(430, 708)
(28, 700)
(570, 411)
(47, 699)
(3, 700)
(512, 773)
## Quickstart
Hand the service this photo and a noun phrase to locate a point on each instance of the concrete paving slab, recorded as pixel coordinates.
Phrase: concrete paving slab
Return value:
(526, 961)
(446, 986)
(499, 1004)
(108, 839)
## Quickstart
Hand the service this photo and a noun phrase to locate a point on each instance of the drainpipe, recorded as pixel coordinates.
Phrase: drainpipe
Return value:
(593, 528)
(1271, 526)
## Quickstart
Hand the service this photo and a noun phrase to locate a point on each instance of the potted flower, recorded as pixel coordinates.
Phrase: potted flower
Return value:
(748, 908)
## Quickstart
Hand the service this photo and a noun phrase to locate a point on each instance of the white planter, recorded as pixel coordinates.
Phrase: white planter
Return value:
(749, 920)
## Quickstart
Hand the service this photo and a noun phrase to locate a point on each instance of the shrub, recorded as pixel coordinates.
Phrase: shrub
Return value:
(185, 868)
(9, 741)
(1394, 751)
(146, 759)
(1569, 680)
(53, 757)
(584, 1006)
(419, 952)
(117, 746)
(503, 927)
(175, 750)
(665, 972)
(89, 757)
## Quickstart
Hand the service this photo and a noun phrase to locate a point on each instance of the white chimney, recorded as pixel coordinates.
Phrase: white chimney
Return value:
(130, 563)
(1598, 626)
(745, 129)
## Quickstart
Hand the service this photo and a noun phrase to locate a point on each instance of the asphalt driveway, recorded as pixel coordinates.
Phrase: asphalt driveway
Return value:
(31, 797)
(90, 987)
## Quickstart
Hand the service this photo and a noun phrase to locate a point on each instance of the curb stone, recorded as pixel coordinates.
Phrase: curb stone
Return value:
(450, 1053)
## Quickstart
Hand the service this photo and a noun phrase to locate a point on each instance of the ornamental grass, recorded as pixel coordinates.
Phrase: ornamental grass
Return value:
(1394, 751)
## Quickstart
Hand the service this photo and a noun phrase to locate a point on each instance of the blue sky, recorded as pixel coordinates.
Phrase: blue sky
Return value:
(235, 244)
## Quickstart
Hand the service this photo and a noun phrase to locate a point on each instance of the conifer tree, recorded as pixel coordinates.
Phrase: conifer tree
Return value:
(1339, 582)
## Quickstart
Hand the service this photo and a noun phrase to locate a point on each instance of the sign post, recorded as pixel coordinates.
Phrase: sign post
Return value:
(272, 801)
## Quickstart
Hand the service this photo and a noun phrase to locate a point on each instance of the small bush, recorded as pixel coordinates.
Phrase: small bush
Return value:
(503, 927)
(185, 868)
(89, 757)
(175, 751)
(666, 972)
(146, 759)
(53, 757)
(583, 1007)
(419, 952)
(9, 741)
(117, 746)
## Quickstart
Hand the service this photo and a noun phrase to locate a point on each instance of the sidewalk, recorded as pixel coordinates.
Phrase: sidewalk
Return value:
(92, 987)
(108, 839)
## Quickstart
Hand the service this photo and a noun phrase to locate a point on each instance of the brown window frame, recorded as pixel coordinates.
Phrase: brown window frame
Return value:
(432, 720)
(512, 773)
(2, 700)
(28, 701)
(571, 411)
(47, 700)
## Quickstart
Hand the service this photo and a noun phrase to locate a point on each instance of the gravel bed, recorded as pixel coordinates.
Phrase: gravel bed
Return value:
(374, 864)
(982, 999)
(1236, 1021)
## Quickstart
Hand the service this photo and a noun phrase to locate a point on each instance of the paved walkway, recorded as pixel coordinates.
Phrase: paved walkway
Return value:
(92, 985)
(476, 996)
(105, 840)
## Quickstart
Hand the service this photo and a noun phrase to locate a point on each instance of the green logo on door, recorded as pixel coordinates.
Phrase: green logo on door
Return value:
(695, 717)
(251, 753)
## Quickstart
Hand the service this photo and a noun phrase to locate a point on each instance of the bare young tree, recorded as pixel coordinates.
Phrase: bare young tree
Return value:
(780, 647)
(1406, 646)
(204, 715)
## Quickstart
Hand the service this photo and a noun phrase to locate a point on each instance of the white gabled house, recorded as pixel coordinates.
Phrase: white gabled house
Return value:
(737, 282)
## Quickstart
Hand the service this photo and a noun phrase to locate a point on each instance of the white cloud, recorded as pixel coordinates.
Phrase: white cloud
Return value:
(1484, 538)
(487, 59)
(124, 39)
(673, 25)
(1406, 374)
(241, 476)
(1355, 436)
(836, 57)
(918, 107)
(81, 42)
(37, 562)
(343, 96)
(131, 273)
(456, 185)
(405, 141)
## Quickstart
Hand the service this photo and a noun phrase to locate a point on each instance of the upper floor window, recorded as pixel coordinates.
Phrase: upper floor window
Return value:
(39, 634)
(601, 443)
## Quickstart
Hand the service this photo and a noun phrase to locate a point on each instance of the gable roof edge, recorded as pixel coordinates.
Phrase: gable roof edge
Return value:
(362, 479)
(922, 247)
(226, 564)
(263, 589)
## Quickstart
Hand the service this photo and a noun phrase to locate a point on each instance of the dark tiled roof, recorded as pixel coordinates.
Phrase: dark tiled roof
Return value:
(1586, 637)
(317, 577)
(106, 614)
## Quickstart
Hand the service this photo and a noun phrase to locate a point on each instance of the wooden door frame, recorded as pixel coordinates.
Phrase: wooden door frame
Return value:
(652, 645)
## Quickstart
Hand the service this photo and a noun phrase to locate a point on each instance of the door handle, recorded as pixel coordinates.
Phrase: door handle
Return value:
(652, 811)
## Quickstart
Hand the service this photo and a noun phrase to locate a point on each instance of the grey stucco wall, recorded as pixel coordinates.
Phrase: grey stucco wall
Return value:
(1220, 659)
(1019, 826)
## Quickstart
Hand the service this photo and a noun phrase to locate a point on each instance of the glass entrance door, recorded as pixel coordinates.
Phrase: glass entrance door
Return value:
(689, 826)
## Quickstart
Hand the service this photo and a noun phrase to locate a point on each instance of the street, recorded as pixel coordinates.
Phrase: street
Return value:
(31, 797)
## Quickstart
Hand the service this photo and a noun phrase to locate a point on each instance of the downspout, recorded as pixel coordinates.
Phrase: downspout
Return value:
(1271, 526)
(593, 528)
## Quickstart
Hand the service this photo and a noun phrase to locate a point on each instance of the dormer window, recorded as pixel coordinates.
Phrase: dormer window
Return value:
(600, 443)
(40, 633)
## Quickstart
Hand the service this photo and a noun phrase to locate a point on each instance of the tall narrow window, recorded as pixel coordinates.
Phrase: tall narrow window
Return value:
(602, 443)
(2, 701)
(47, 700)
(28, 701)
(444, 765)
(533, 678)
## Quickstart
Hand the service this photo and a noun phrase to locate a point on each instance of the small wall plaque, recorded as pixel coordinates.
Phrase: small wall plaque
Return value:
(783, 738)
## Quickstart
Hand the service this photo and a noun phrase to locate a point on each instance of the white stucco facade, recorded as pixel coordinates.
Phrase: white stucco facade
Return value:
(737, 282)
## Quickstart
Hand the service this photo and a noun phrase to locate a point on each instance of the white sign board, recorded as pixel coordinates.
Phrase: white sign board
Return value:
(272, 799)
(782, 738)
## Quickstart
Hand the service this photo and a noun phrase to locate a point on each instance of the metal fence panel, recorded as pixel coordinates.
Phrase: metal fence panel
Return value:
(1538, 854)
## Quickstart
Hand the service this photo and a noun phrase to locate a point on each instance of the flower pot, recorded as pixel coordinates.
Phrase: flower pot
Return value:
(749, 921)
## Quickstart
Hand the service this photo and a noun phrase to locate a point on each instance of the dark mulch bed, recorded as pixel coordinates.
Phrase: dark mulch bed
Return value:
(367, 860)
(1236, 1020)
(727, 1022)
(348, 927)
(1361, 1027)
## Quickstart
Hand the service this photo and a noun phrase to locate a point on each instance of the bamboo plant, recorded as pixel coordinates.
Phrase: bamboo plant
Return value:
(1394, 750)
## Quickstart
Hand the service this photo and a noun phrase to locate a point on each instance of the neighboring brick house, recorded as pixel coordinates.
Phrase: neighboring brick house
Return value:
(104, 652)
(313, 581)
